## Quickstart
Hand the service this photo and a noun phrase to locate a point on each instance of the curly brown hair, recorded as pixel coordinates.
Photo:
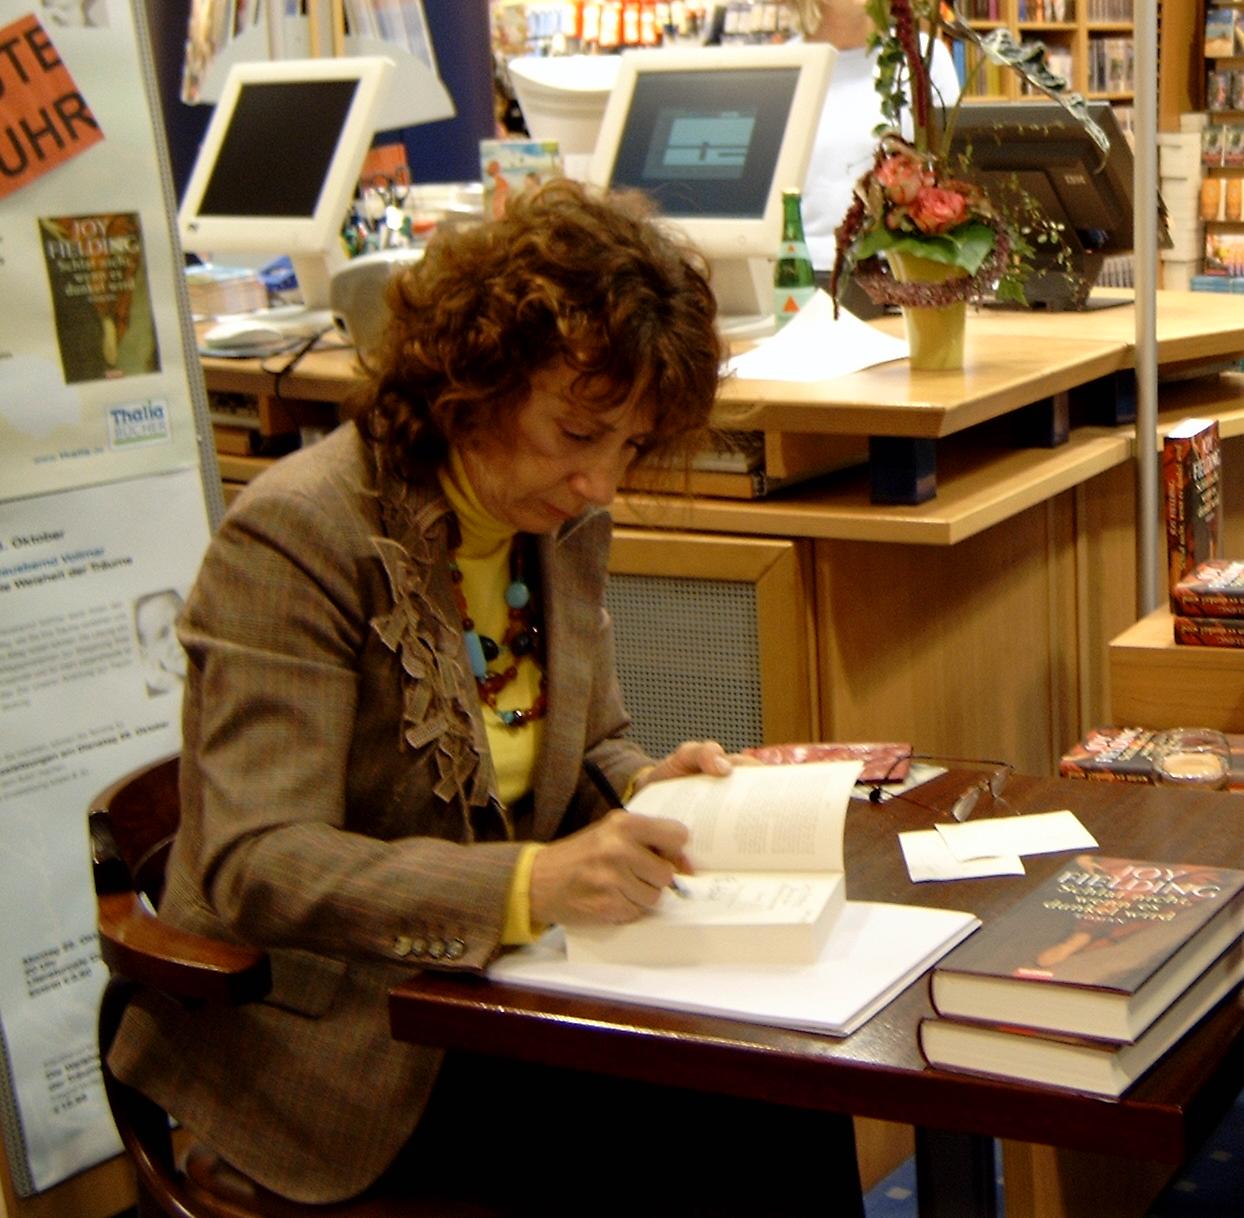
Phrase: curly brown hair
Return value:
(568, 274)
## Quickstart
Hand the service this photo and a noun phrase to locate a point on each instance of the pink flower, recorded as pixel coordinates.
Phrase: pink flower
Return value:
(936, 210)
(902, 177)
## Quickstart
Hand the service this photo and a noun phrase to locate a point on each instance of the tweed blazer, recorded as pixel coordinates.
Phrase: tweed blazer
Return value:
(337, 806)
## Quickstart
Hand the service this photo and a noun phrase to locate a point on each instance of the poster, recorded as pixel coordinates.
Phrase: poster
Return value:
(44, 118)
(94, 364)
(90, 687)
(105, 506)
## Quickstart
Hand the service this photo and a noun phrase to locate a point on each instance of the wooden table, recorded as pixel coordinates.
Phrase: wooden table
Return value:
(878, 1072)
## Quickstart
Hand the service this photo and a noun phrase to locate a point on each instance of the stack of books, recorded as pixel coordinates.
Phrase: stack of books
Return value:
(1208, 604)
(1089, 979)
(1125, 754)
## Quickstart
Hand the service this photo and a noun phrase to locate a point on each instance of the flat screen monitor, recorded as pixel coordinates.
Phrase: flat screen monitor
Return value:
(280, 162)
(1041, 149)
(713, 135)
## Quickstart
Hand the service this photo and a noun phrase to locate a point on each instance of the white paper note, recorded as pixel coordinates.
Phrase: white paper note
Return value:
(1034, 833)
(812, 346)
(928, 858)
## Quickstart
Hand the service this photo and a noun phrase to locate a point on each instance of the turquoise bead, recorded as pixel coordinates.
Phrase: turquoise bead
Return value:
(475, 651)
(517, 595)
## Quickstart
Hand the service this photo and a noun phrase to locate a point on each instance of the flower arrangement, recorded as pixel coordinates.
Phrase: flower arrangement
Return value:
(914, 202)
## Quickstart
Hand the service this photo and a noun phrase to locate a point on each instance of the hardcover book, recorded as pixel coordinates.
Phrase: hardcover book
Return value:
(1073, 1062)
(1100, 949)
(767, 859)
(883, 761)
(1125, 754)
(1209, 631)
(1192, 496)
(1211, 589)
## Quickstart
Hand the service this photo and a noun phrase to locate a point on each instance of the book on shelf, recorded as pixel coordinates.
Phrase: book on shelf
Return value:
(1125, 754)
(1191, 495)
(875, 950)
(1218, 89)
(1211, 589)
(1209, 631)
(1100, 949)
(1212, 139)
(766, 851)
(1078, 1063)
(1220, 32)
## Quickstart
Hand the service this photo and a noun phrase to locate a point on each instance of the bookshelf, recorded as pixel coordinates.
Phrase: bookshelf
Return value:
(1091, 42)
(1222, 200)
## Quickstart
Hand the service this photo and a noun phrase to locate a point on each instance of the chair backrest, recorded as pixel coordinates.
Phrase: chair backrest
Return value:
(132, 825)
(143, 810)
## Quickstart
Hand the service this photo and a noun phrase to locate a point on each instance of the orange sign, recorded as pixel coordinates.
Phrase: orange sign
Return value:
(44, 120)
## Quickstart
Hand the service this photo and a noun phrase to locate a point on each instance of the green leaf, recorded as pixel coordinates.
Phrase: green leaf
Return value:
(966, 246)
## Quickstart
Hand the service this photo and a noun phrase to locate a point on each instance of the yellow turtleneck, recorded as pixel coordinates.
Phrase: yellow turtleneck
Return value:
(484, 560)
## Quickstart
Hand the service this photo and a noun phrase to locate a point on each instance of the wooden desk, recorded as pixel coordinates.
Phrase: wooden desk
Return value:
(878, 1071)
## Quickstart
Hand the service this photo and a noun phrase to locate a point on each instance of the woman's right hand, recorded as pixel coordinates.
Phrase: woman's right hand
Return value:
(612, 871)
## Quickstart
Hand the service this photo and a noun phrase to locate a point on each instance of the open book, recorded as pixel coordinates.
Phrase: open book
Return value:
(766, 846)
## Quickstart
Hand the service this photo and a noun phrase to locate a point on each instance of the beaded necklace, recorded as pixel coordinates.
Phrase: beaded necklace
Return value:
(524, 636)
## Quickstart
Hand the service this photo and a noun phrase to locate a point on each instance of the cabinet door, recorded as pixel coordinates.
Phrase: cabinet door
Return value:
(714, 637)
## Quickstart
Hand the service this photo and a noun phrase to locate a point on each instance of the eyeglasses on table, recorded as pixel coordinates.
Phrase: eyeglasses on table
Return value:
(992, 784)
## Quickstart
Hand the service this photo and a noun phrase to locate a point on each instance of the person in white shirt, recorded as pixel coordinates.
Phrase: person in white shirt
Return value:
(844, 139)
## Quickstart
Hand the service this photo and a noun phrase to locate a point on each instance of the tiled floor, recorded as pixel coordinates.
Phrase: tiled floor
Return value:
(1211, 1186)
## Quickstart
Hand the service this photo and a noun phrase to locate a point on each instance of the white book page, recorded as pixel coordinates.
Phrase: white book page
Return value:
(759, 818)
(728, 897)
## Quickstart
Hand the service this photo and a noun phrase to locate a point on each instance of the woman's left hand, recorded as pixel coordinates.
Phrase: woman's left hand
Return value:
(690, 757)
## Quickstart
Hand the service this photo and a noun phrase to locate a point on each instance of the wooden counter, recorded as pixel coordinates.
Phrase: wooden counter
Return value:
(1156, 682)
(893, 400)
(975, 624)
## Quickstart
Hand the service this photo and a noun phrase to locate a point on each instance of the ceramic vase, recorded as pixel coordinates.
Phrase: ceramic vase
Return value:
(934, 332)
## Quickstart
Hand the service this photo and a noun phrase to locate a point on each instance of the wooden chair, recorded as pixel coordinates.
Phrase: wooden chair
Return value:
(132, 826)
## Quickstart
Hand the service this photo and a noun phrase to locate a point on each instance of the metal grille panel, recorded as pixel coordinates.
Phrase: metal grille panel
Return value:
(688, 659)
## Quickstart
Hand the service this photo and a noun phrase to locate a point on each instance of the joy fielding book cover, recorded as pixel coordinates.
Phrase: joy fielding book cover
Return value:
(1100, 949)
(1214, 588)
(1078, 1063)
(1191, 496)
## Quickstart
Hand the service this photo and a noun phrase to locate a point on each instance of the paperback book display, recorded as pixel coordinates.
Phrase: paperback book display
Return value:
(1125, 754)
(1088, 979)
(1209, 605)
(1224, 35)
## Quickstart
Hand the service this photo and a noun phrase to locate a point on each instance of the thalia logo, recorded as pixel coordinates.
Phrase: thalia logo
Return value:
(138, 423)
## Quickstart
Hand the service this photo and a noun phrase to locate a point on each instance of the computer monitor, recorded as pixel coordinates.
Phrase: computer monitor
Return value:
(1041, 149)
(713, 135)
(563, 98)
(280, 162)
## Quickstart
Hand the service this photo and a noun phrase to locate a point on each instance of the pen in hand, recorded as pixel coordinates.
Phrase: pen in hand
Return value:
(605, 787)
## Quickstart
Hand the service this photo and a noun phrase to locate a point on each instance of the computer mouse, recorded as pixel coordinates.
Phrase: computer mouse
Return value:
(243, 332)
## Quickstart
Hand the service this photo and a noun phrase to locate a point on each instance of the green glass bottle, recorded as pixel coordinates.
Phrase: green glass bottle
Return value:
(793, 281)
